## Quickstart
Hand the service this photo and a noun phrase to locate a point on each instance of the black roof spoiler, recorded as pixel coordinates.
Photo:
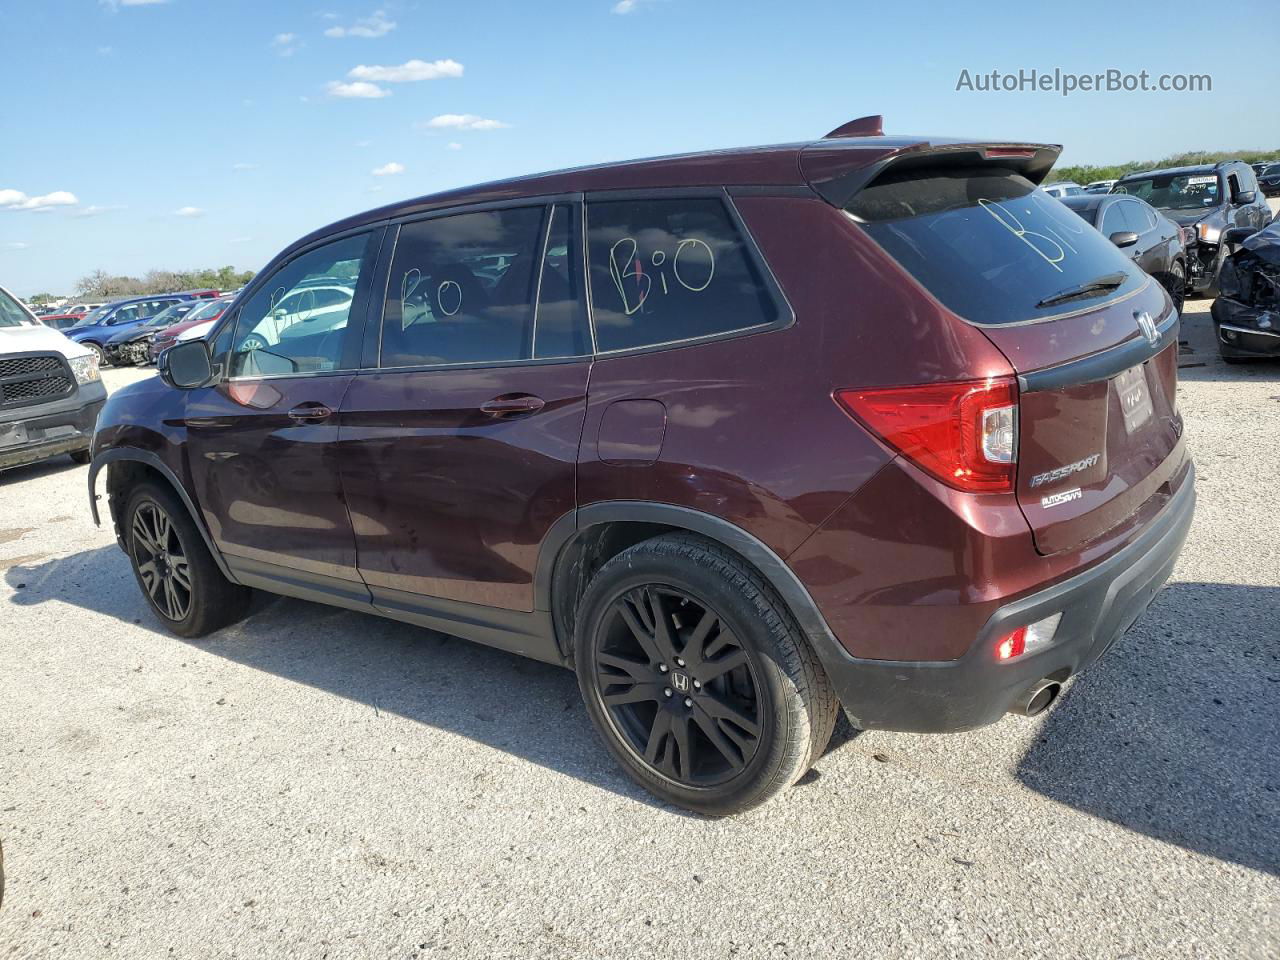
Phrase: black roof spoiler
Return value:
(837, 169)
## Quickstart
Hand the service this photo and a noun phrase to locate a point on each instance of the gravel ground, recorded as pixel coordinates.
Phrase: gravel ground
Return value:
(318, 783)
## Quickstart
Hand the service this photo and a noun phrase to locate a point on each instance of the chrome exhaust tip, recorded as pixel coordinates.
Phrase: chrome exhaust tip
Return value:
(1037, 698)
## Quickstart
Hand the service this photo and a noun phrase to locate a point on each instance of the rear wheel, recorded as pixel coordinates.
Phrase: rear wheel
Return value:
(698, 678)
(1178, 286)
(174, 568)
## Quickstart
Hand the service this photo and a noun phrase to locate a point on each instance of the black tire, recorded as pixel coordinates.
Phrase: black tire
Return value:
(752, 712)
(173, 567)
(1178, 286)
(81, 457)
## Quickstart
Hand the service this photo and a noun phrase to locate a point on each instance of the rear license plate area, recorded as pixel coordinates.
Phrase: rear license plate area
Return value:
(1135, 398)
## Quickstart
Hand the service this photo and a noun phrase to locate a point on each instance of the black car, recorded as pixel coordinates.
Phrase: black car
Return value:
(1208, 198)
(1269, 180)
(1246, 315)
(1152, 240)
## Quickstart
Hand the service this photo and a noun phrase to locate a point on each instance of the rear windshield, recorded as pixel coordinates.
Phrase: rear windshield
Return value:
(11, 315)
(1175, 191)
(990, 246)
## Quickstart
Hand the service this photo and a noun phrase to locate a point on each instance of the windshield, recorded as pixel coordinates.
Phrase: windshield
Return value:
(990, 246)
(91, 317)
(168, 315)
(206, 311)
(12, 315)
(1175, 191)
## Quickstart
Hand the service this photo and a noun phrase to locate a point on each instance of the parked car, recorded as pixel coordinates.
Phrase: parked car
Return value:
(50, 390)
(1148, 237)
(1099, 186)
(1269, 180)
(839, 424)
(317, 306)
(1246, 315)
(132, 345)
(101, 325)
(198, 319)
(60, 321)
(82, 308)
(1064, 188)
(1209, 199)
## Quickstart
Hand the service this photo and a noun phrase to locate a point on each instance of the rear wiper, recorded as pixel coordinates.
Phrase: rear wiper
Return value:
(1103, 284)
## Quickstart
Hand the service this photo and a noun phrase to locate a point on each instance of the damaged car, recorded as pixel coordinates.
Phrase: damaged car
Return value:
(1246, 315)
(1207, 200)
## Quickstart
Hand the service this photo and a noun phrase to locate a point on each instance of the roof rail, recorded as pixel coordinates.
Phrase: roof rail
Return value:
(872, 126)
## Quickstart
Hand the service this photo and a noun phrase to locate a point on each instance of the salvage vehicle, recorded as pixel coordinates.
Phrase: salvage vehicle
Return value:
(742, 437)
(198, 319)
(1246, 315)
(1148, 237)
(101, 325)
(132, 345)
(1269, 180)
(50, 390)
(1207, 199)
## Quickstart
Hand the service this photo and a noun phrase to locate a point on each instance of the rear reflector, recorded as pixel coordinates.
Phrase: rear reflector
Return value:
(964, 434)
(1029, 639)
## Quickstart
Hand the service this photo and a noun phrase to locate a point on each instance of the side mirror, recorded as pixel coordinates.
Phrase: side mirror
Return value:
(186, 365)
(1124, 238)
(1246, 196)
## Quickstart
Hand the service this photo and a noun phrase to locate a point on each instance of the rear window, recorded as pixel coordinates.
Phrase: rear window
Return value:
(990, 246)
(668, 270)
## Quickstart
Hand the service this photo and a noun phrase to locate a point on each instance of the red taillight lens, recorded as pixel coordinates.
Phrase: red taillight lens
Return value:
(965, 434)
(1014, 645)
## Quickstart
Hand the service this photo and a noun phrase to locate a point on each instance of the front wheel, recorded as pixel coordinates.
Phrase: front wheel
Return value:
(174, 568)
(1178, 286)
(697, 677)
(98, 352)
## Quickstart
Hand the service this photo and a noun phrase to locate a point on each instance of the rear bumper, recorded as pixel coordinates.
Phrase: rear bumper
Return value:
(49, 430)
(1097, 606)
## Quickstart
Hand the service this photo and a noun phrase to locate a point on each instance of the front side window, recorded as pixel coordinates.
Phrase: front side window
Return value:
(297, 321)
(669, 270)
(462, 289)
(11, 315)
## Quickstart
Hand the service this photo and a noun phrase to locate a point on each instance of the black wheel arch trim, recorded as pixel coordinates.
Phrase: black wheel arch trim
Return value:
(771, 566)
(136, 454)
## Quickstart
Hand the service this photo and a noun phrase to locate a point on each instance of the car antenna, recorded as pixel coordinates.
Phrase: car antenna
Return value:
(872, 126)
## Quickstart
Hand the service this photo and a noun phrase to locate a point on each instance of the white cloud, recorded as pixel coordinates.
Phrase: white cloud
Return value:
(17, 245)
(363, 143)
(114, 5)
(410, 72)
(359, 90)
(388, 169)
(376, 25)
(96, 211)
(455, 146)
(17, 200)
(462, 121)
(626, 6)
(188, 212)
(244, 166)
(286, 44)
(106, 51)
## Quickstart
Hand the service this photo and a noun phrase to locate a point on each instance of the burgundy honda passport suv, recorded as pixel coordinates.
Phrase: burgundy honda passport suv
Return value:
(742, 437)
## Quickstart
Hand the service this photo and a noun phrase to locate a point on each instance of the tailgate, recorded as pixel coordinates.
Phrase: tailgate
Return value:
(1098, 433)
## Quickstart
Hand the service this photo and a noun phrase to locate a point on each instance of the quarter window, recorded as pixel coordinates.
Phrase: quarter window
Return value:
(462, 289)
(668, 270)
(297, 322)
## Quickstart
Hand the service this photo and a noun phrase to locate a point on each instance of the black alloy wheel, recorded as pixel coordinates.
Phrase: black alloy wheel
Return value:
(161, 561)
(678, 687)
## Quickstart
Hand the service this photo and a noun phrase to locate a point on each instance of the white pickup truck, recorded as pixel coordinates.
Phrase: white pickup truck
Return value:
(50, 390)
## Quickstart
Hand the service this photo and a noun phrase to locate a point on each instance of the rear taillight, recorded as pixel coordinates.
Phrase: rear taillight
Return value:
(965, 434)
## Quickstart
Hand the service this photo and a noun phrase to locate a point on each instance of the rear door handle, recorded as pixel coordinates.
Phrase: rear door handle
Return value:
(512, 406)
(310, 413)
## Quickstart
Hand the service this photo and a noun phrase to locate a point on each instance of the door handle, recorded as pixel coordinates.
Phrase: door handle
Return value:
(310, 413)
(512, 406)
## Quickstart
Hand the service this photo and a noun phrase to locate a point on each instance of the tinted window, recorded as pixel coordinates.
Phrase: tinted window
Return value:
(284, 328)
(559, 328)
(462, 288)
(669, 270)
(1133, 217)
(1113, 220)
(987, 243)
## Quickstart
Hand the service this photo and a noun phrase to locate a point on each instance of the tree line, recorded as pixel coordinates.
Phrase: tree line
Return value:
(1088, 173)
(102, 285)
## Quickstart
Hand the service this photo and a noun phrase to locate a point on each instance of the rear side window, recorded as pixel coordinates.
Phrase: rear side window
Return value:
(990, 246)
(668, 270)
(462, 289)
